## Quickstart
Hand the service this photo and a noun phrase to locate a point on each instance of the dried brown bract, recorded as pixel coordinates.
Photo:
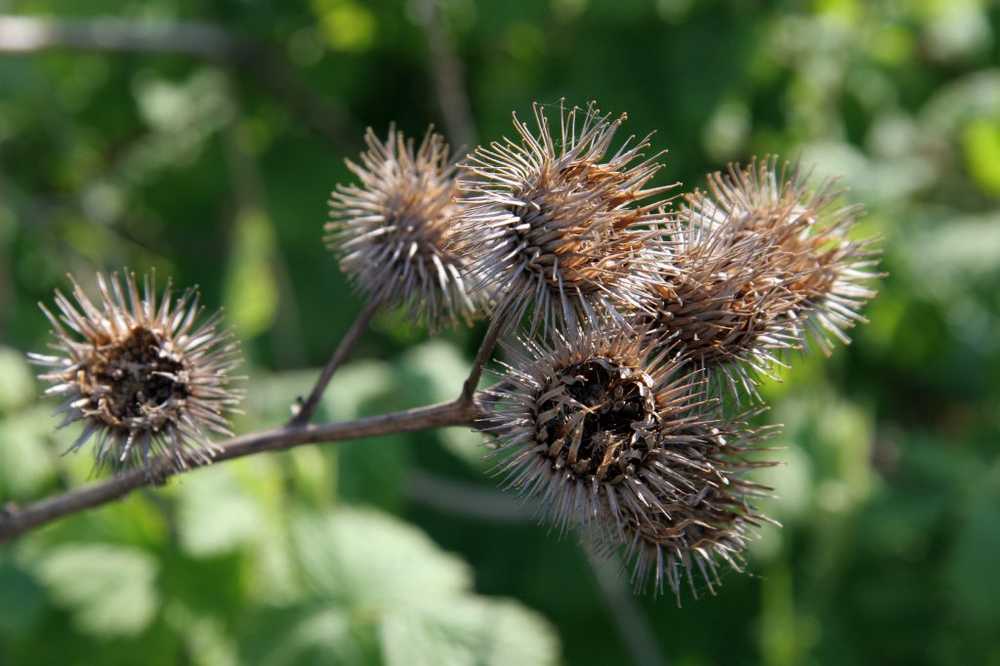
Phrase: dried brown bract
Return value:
(762, 263)
(392, 232)
(146, 379)
(627, 445)
(553, 222)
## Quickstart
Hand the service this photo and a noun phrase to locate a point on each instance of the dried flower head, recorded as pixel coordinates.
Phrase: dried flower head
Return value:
(627, 446)
(147, 380)
(725, 305)
(393, 232)
(555, 225)
(762, 263)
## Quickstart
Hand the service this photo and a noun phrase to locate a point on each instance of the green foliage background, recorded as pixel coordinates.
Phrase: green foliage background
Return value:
(342, 554)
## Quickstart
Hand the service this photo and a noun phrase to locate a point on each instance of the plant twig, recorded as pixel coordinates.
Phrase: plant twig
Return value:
(340, 354)
(497, 325)
(15, 520)
(31, 34)
(27, 34)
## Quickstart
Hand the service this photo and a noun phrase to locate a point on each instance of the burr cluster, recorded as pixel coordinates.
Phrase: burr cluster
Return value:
(637, 328)
(628, 318)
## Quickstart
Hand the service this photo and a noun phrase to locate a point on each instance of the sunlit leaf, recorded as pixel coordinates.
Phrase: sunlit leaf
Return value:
(215, 514)
(472, 631)
(17, 386)
(26, 461)
(110, 590)
(363, 557)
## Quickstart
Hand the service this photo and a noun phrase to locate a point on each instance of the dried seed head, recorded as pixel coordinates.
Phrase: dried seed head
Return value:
(762, 263)
(621, 443)
(392, 233)
(556, 226)
(724, 304)
(145, 379)
(711, 519)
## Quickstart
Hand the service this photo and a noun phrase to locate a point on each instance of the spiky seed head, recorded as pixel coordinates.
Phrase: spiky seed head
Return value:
(724, 303)
(553, 221)
(827, 272)
(392, 232)
(146, 378)
(616, 441)
(762, 263)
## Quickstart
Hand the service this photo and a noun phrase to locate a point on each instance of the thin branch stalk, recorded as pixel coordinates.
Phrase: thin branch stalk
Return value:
(497, 326)
(360, 325)
(15, 520)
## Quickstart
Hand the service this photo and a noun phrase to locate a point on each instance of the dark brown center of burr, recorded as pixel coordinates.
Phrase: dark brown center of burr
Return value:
(136, 373)
(595, 417)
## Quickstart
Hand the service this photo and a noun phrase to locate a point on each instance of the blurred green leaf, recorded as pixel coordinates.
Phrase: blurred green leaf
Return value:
(981, 141)
(215, 514)
(17, 387)
(365, 558)
(110, 590)
(206, 639)
(315, 635)
(468, 631)
(357, 385)
(26, 461)
(433, 372)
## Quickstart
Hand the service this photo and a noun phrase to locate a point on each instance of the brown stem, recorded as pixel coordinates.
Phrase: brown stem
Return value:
(15, 520)
(489, 343)
(340, 355)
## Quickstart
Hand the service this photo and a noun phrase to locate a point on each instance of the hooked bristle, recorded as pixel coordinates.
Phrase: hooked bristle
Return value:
(392, 233)
(762, 264)
(145, 379)
(553, 224)
(625, 444)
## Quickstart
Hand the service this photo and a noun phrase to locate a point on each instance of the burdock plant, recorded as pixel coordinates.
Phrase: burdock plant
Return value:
(552, 222)
(393, 232)
(147, 379)
(623, 441)
(622, 315)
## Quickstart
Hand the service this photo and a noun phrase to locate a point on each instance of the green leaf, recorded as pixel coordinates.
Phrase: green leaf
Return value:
(110, 590)
(26, 462)
(363, 557)
(981, 144)
(373, 470)
(434, 372)
(215, 514)
(17, 386)
(307, 635)
(470, 631)
(207, 642)
(356, 386)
